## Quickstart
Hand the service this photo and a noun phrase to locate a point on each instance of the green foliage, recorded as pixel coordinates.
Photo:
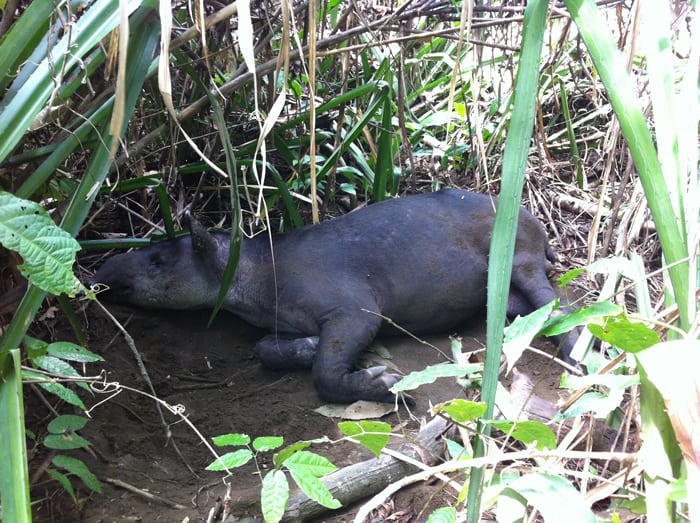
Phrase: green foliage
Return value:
(374, 435)
(47, 250)
(304, 467)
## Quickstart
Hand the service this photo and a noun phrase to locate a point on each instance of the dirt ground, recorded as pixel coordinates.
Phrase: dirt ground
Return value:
(215, 376)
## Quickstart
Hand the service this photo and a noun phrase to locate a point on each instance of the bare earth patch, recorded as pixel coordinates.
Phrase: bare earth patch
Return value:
(215, 376)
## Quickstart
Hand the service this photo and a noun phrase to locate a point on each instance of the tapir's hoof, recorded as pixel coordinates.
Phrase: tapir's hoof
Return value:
(370, 384)
(287, 353)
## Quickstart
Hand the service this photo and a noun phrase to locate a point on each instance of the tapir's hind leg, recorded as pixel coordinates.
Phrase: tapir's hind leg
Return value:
(530, 290)
(344, 335)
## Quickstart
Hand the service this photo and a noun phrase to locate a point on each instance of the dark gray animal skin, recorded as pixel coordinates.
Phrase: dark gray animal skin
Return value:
(419, 260)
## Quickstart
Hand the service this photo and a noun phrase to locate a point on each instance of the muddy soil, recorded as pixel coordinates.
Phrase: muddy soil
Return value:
(213, 373)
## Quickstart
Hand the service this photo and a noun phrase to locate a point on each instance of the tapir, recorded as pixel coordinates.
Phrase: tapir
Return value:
(323, 290)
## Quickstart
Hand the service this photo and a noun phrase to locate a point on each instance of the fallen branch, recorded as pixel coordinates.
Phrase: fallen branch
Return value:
(364, 479)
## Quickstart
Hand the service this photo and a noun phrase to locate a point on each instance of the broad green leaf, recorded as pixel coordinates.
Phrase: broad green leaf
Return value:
(66, 422)
(624, 334)
(231, 460)
(553, 496)
(462, 411)
(72, 352)
(310, 462)
(372, 434)
(306, 467)
(528, 432)
(47, 250)
(433, 372)
(78, 468)
(594, 313)
(443, 515)
(66, 441)
(282, 456)
(231, 440)
(274, 495)
(266, 443)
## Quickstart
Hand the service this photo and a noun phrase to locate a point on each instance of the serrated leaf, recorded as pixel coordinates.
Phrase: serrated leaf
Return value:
(309, 483)
(462, 411)
(78, 468)
(66, 441)
(231, 460)
(443, 515)
(63, 480)
(233, 440)
(528, 432)
(282, 456)
(274, 495)
(374, 435)
(72, 352)
(433, 372)
(47, 250)
(265, 443)
(624, 334)
(66, 422)
(62, 392)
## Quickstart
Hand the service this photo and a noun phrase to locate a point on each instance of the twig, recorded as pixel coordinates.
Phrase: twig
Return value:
(143, 493)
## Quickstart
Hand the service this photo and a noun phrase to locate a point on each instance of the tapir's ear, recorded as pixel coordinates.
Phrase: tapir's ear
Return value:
(202, 241)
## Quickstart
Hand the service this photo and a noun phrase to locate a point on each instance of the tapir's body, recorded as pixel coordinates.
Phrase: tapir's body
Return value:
(420, 260)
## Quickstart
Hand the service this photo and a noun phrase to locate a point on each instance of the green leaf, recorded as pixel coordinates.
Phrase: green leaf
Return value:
(553, 496)
(313, 463)
(462, 411)
(523, 330)
(433, 372)
(61, 391)
(594, 313)
(66, 422)
(72, 352)
(274, 495)
(56, 366)
(231, 440)
(266, 443)
(443, 515)
(305, 468)
(47, 250)
(78, 468)
(624, 334)
(528, 432)
(231, 460)
(282, 456)
(63, 480)
(611, 387)
(372, 434)
(65, 441)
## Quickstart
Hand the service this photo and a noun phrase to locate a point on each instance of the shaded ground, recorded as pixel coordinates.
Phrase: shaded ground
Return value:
(215, 376)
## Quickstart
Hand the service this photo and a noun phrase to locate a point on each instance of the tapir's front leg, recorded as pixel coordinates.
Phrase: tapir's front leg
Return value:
(282, 352)
(344, 335)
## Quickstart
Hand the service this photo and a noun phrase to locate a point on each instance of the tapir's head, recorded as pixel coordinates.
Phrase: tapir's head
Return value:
(182, 273)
